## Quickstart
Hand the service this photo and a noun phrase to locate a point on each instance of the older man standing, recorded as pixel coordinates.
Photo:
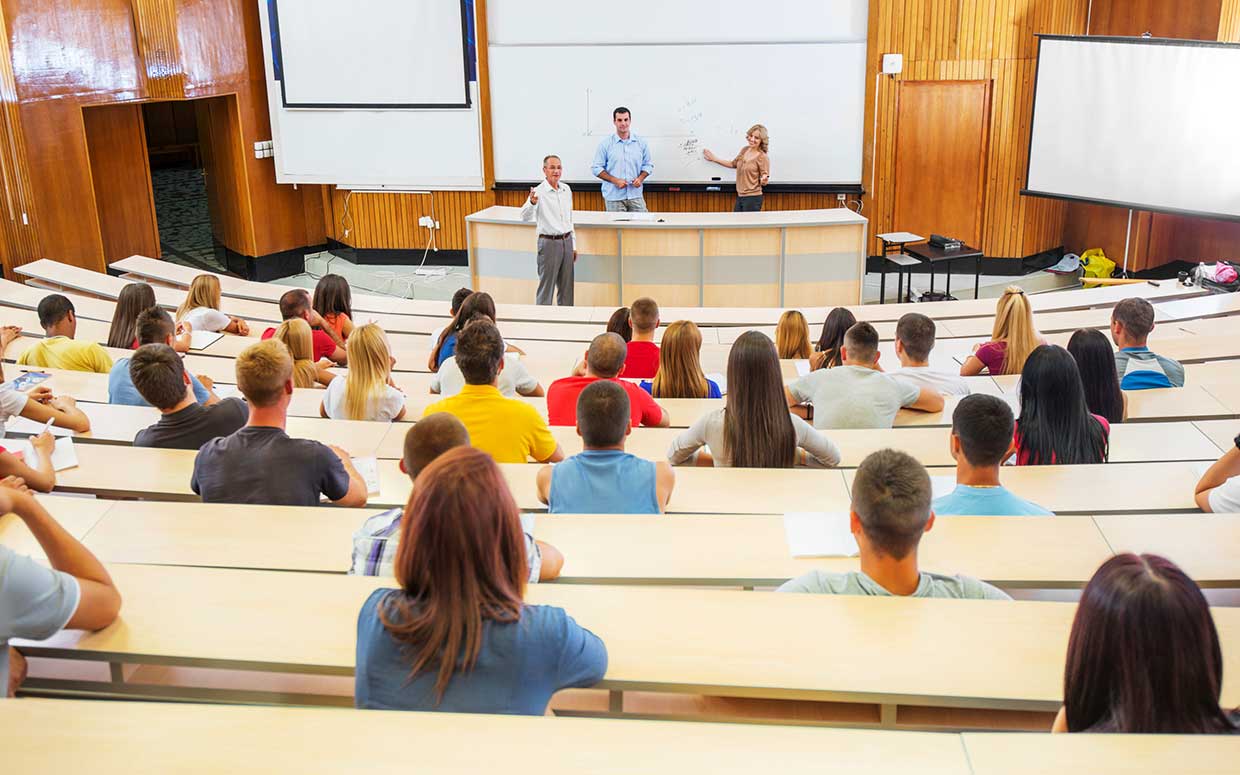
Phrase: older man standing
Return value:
(550, 204)
(622, 162)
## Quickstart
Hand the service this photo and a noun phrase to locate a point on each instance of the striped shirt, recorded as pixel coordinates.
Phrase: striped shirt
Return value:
(375, 542)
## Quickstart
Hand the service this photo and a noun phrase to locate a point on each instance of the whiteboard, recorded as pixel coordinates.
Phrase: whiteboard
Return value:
(372, 53)
(815, 126)
(1137, 123)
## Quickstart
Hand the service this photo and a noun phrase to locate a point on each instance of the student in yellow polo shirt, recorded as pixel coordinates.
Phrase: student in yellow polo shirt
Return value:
(509, 429)
(59, 350)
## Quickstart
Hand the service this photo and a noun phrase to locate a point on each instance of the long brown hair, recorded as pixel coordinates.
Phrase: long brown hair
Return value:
(1014, 327)
(838, 321)
(461, 561)
(792, 336)
(332, 296)
(680, 367)
(476, 303)
(757, 428)
(132, 301)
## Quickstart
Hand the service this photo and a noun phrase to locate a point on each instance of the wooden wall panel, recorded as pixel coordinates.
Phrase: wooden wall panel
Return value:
(121, 178)
(1229, 21)
(219, 126)
(1195, 19)
(19, 238)
(155, 22)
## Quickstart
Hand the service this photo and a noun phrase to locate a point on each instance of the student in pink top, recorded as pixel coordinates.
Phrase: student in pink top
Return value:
(1011, 340)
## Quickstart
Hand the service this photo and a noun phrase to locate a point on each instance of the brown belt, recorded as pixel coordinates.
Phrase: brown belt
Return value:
(555, 236)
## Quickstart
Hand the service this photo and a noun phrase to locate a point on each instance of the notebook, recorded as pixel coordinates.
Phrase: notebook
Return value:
(200, 340)
(63, 455)
(819, 534)
(26, 426)
(368, 468)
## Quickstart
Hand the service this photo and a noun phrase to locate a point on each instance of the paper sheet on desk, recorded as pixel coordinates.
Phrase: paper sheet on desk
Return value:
(200, 340)
(63, 455)
(802, 367)
(24, 425)
(527, 523)
(368, 469)
(642, 217)
(226, 391)
(819, 534)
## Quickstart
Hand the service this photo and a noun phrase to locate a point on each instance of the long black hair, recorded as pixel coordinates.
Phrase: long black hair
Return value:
(619, 323)
(476, 303)
(838, 321)
(757, 428)
(1144, 654)
(1055, 425)
(1096, 362)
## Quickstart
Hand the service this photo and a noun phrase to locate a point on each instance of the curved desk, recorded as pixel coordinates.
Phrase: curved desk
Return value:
(767, 259)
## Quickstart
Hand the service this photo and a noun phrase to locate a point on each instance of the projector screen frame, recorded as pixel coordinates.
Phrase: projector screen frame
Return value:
(1026, 191)
(281, 76)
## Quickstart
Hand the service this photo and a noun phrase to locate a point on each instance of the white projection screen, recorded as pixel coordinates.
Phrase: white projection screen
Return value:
(1141, 123)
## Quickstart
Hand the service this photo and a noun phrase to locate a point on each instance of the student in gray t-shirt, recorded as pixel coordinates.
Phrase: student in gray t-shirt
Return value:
(856, 394)
(890, 512)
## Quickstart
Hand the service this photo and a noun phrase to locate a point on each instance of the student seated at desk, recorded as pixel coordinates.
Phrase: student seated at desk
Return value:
(604, 360)
(154, 326)
(603, 478)
(201, 309)
(260, 463)
(1011, 340)
(59, 350)
(619, 323)
(36, 602)
(456, 636)
(298, 337)
(915, 335)
(857, 394)
(1095, 360)
(454, 308)
(792, 336)
(367, 391)
(1218, 490)
(982, 438)
(514, 378)
(680, 366)
(374, 543)
(327, 343)
(890, 512)
(333, 300)
(160, 377)
(509, 429)
(754, 429)
(1132, 321)
(475, 304)
(1143, 656)
(1055, 425)
(642, 359)
(134, 299)
(828, 351)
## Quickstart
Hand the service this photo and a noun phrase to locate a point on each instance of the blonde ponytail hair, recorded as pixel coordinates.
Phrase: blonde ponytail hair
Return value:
(204, 291)
(1014, 327)
(369, 366)
(296, 335)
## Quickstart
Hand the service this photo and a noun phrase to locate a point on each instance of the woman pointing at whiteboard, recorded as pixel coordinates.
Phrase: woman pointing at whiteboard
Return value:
(753, 169)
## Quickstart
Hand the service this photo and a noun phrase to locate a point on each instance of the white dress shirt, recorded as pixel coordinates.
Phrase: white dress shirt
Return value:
(554, 211)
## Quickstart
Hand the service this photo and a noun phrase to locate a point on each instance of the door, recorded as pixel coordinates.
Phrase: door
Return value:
(940, 177)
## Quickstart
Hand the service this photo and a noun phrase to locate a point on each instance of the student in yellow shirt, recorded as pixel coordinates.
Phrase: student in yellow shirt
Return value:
(509, 429)
(59, 350)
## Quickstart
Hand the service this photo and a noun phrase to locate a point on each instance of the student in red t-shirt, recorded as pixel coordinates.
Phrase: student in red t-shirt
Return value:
(327, 343)
(604, 360)
(643, 356)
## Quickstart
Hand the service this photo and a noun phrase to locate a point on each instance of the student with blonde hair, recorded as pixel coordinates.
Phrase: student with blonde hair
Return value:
(297, 337)
(1011, 340)
(680, 368)
(792, 336)
(367, 392)
(201, 308)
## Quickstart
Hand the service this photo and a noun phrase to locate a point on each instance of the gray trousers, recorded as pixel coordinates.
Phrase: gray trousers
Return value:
(555, 271)
(637, 205)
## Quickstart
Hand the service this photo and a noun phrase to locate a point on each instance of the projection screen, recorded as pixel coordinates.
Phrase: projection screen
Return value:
(1137, 122)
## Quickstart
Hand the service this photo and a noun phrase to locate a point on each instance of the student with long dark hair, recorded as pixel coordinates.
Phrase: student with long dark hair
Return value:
(456, 635)
(333, 300)
(1144, 656)
(132, 301)
(619, 323)
(1055, 425)
(827, 353)
(1096, 361)
(477, 303)
(754, 429)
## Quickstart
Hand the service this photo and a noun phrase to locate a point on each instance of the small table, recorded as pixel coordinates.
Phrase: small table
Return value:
(932, 255)
(892, 251)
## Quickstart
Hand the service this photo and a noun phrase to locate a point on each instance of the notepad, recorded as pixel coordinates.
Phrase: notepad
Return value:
(200, 340)
(641, 217)
(368, 469)
(802, 367)
(226, 391)
(24, 425)
(819, 534)
(527, 523)
(26, 380)
(942, 485)
(63, 454)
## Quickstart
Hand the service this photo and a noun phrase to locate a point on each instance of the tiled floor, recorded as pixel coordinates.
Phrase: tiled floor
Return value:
(184, 219)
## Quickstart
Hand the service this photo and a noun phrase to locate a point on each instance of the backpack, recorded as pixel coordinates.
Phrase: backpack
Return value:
(1096, 264)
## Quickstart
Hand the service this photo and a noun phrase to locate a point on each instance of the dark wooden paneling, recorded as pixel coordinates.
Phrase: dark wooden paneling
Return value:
(121, 180)
(219, 127)
(156, 24)
(1195, 19)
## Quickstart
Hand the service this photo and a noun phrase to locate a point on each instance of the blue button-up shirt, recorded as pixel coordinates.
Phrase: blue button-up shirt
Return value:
(624, 159)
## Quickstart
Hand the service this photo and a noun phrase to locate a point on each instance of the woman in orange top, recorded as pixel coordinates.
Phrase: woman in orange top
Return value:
(334, 302)
(753, 169)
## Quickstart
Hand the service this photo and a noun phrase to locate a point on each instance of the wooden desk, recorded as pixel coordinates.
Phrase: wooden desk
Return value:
(48, 737)
(75, 515)
(1205, 305)
(1222, 433)
(1204, 545)
(1026, 754)
(931, 255)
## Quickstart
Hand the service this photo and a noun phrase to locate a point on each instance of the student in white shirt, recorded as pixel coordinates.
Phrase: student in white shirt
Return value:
(201, 308)
(366, 392)
(551, 205)
(1219, 487)
(914, 341)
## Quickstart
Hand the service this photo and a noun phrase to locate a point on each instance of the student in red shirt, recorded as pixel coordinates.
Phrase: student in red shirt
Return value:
(604, 360)
(643, 355)
(327, 344)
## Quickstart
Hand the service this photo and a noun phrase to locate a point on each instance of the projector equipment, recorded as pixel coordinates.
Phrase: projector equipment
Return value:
(945, 243)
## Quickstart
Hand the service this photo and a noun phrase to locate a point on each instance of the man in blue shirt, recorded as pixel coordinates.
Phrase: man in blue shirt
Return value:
(154, 326)
(1132, 320)
(622, 162)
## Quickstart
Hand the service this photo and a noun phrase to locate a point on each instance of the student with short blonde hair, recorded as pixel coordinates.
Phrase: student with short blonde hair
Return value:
(366, 392)
(680, 367)
(792, 336)
(1011, 340)
(296, 335)
(201, 308)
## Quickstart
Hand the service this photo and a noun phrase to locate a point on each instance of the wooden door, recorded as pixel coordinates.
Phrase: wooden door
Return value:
(940, 178)
(121, 175)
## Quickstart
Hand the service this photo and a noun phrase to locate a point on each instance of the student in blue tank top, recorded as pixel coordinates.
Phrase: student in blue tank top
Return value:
(456, 635)
(603, 478)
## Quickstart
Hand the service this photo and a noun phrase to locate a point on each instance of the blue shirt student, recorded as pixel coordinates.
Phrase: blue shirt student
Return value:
(712, 387)
(985, 502)
(1140, 369)
(122, 391)
(604, 481)
(624, 159)
(520, 665)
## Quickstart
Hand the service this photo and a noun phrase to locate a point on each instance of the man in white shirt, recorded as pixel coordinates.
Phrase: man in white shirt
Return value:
(550, 205)
(914, 340)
